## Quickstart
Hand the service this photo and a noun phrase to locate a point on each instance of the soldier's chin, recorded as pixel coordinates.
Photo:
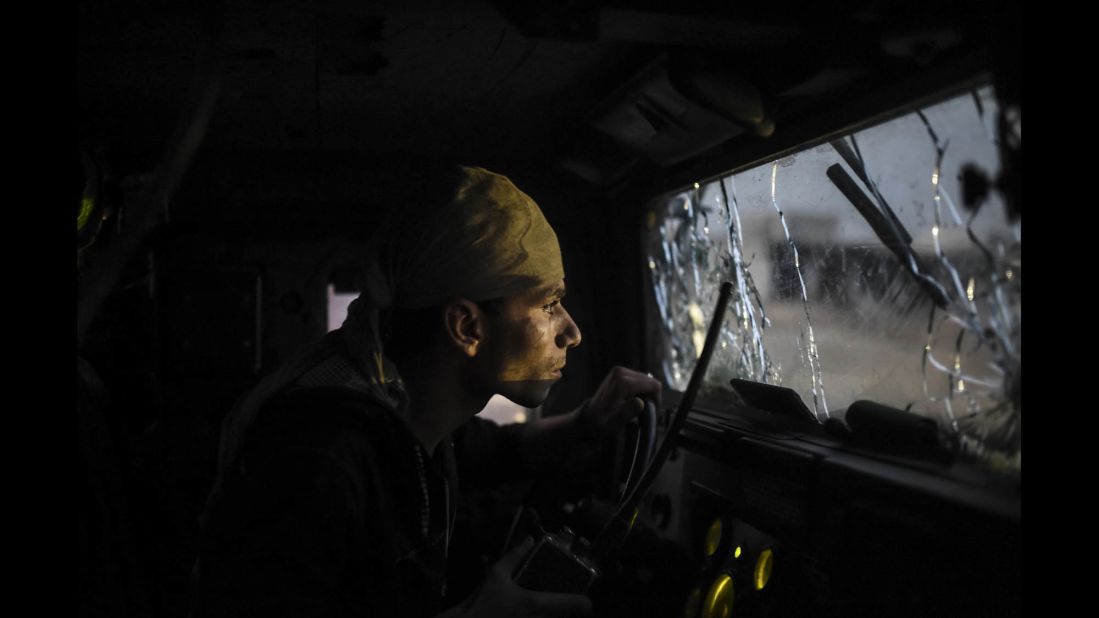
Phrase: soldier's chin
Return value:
(527, 393)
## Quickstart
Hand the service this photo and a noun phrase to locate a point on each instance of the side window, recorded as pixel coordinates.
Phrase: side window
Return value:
(504, 411)
(338, 303)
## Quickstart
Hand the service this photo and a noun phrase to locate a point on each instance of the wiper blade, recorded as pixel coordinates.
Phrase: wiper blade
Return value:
(894, 236)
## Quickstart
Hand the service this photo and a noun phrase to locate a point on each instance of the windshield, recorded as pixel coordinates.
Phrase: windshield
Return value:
(862, 271)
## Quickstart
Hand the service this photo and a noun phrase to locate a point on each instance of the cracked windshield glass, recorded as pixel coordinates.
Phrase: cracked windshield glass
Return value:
(879, 266)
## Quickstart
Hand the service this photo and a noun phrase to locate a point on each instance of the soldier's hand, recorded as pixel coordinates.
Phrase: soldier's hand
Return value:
(616, 401)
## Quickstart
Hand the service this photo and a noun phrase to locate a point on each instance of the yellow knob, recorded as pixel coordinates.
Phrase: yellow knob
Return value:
(763, 568)
(713, 538)
(719, 601)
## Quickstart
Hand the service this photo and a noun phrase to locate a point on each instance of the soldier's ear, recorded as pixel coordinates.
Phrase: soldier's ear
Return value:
(465, 326)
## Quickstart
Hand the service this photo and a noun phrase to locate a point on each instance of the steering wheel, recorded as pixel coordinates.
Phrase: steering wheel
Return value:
(526, 519)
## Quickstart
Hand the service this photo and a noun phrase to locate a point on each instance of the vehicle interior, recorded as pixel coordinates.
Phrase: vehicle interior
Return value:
(839, 432)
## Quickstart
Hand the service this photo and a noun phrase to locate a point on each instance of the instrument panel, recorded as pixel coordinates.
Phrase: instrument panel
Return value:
(767, 519)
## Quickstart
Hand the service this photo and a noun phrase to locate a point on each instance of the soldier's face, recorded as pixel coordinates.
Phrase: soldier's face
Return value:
(528, 342)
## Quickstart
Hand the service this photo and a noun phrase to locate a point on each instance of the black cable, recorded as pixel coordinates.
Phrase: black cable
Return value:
(643, 447)
(616, 530)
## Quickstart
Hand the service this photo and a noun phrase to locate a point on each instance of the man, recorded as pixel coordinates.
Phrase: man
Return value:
(338, 474)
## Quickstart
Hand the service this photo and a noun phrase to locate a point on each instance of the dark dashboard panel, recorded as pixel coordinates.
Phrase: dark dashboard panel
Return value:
(850, 532)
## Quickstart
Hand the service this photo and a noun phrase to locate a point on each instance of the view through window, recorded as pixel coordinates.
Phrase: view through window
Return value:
(861, 271)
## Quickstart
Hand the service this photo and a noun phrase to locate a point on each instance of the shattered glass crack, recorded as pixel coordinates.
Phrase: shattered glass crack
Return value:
(918, 308)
